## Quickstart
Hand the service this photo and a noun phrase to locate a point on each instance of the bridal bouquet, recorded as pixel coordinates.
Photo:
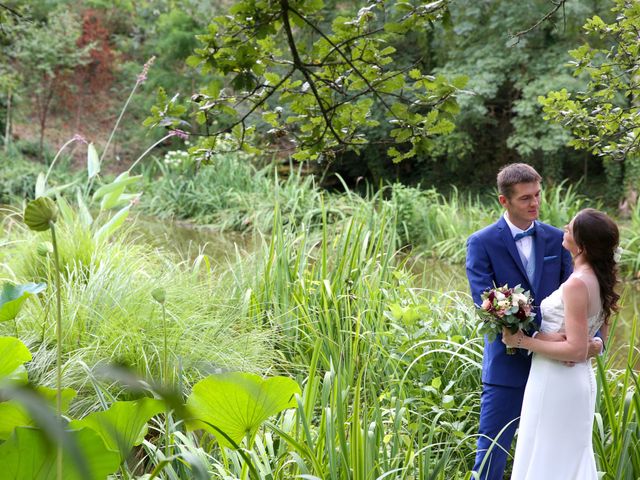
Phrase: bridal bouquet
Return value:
(505, 307)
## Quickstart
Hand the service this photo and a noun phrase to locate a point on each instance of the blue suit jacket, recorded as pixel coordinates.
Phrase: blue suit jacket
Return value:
(493, 259)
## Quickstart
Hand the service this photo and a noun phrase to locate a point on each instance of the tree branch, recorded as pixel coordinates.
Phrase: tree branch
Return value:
(557, 5)
(300, 66)
(341, 53)
(11, 10)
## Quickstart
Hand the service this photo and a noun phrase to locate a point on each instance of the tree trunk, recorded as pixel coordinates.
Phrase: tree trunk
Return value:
(44, 112)
(7, 131)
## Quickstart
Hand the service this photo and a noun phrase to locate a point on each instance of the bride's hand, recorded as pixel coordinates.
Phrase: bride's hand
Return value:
(511, 339)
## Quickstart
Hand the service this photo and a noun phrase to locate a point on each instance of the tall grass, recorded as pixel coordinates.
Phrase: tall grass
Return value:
(561, 202)
(440, 225)
(110, 316)
(616, 436)
(229, 195)
(390, 373)
(630, 245)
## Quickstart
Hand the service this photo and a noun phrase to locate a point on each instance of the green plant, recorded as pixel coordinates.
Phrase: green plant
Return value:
(561, 202)
(616, 436)
(431, 222)
(12, 298)
(630, 245)
(28, 428)
(40, 215)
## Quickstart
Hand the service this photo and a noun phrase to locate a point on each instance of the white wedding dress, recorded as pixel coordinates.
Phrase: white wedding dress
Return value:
(554, 437)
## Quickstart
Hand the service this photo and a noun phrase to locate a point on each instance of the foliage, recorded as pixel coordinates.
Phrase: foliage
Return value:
(233, 406)
(13, 296)
(109, 315)
(431, 222)
(230, 195)
(630, 245)
(316, 86)
(603, 116)
(500, 120)
(616, 437)
(18, 175)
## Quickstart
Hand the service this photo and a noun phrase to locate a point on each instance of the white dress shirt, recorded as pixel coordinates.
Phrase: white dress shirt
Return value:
(525, 244)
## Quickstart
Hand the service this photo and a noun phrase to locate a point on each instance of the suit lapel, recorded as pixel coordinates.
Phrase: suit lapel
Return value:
(540, 239)
(505, 233)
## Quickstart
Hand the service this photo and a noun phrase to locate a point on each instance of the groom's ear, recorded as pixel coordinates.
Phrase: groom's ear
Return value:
(503, 200)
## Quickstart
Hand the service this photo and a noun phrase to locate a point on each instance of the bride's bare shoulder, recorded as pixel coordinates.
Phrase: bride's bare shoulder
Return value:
(575, 288)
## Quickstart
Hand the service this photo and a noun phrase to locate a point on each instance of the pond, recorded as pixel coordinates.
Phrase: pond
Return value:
(189, 241)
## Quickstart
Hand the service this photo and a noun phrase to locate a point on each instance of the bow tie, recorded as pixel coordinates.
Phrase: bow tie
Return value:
(529, 233)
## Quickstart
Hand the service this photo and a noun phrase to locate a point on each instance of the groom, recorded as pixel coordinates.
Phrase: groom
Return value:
(516, 250)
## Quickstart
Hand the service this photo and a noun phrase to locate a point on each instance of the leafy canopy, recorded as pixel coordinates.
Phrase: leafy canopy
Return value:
(604, 118)
(276, 65)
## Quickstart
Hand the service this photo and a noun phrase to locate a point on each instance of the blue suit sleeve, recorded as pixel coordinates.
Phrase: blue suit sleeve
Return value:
(479, 271)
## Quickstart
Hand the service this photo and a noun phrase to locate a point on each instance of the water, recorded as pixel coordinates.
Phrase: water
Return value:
(188, 240)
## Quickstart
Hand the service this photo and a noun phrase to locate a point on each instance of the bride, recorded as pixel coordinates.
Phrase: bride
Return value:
(554, 437)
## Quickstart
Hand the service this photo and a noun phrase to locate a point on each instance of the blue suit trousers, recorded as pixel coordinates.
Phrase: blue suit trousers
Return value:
(500, 407)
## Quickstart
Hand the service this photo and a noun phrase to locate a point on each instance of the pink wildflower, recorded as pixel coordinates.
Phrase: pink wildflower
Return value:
(79, 138)
(179, 133)
(145, 69)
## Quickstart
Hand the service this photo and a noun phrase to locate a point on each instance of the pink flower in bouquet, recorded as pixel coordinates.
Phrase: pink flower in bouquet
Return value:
(505, 307)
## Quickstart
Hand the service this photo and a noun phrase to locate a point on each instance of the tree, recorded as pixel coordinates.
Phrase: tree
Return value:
(604, 118)
(315, 85)
(501, 120)
(8, 77)
(42, 54)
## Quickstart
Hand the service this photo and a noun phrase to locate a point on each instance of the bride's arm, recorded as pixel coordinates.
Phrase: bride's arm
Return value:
(551, 336)
(575, 347)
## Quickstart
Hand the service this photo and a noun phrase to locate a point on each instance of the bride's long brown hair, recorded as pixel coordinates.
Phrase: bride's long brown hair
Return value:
(598, 237)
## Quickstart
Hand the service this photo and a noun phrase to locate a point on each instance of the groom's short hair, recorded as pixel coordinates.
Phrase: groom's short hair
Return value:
(514, 173)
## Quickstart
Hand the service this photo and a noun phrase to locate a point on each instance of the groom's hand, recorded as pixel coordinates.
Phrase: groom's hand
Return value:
(595, 347)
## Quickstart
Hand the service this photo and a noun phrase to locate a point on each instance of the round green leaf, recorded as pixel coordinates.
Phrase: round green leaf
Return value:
(13, 353)
(238, 403)
(13, 414)
(28, 455)
(123, 425)
(39, 213)
(13, 296)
